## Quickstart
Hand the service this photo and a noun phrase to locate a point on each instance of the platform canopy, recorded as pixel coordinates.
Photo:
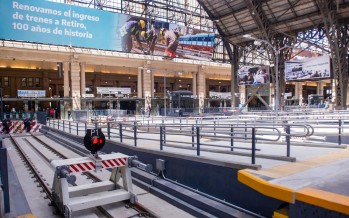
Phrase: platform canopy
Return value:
(236, 18)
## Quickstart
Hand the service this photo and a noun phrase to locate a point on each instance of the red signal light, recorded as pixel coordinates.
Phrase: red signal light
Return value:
(96, 141)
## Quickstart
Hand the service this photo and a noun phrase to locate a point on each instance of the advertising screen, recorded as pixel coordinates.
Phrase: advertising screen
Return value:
(46, 22)
(309, 69)
(253, 75)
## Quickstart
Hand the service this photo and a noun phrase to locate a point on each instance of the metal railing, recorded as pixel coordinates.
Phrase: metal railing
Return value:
(194, 133)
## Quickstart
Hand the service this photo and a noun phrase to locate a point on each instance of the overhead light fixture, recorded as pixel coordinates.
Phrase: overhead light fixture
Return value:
(247, 36)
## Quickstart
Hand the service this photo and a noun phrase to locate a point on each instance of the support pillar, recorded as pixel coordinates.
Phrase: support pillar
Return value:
(147, 87)
(75, 84)
(299, 92)
(36, 108)
(152, 85)
(66, 89)
(235, 93)
(62, 109)
(320, 88)
(82, 78)
(193, 88)
(25, 106)
(243, 97)
(201, 87)
(66, 79)
(83, 82)
(139, 83)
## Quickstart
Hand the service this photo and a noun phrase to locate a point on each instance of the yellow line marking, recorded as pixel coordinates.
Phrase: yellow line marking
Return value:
(26, 216)
(282, 213)
(266, 188)
(292, 168)
(328, 200)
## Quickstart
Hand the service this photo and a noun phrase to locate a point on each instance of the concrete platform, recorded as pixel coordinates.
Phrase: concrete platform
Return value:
(320, 181)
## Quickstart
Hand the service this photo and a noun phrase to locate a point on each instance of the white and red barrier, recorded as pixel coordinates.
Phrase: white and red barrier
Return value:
(18, 127)
(87, 166)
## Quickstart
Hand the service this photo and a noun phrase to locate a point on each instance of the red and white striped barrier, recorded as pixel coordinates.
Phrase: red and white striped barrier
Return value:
(88, 166)
(18, 127)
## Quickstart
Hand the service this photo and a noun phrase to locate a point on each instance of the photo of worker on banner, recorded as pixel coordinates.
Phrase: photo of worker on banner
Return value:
(254, 75)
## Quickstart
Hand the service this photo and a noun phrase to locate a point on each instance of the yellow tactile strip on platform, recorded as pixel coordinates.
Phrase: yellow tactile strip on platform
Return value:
(316, 197)
(324, 199)
(266, 188)
(295, 167)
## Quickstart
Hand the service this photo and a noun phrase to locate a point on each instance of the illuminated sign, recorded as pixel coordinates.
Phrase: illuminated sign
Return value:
(31, 93)
(113, 90)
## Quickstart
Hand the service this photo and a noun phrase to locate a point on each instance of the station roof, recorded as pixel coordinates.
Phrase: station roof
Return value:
(235, 18)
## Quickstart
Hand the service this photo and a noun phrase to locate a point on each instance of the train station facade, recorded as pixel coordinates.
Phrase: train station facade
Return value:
(71, 76)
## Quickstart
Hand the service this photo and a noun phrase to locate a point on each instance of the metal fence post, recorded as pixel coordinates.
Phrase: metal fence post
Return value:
(198, 141)
(4, 179)
(77, 128)
(96, 125)
(214, 128)
(192, 136)
(135, 133)
(288, 140)
(180, 124)
(231, 138)
(85, 126)
(339, 132)
(120, 131)
(63, 126)
(245, 131)
(69, 127)
(253, 145)
(161, 138)
(108, 129)
(164, 131)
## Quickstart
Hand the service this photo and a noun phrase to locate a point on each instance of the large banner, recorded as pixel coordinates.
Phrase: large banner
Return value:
(253, 75)
(309, 69)
(60, 24)
(46, 22)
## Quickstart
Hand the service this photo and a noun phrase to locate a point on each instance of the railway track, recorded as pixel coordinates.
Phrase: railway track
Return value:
(37, 151)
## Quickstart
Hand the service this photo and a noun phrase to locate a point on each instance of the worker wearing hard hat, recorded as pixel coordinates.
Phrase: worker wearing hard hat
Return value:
(171, 39)
(150, 38)
(129, 29)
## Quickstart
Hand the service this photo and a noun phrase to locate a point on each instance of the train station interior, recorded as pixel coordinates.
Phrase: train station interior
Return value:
(128, 106)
